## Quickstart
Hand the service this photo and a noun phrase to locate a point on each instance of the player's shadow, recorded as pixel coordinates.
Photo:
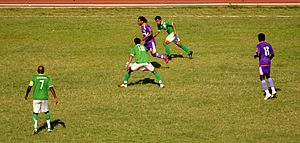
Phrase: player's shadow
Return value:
(176, 56)
(144, 81)
(53, 125)
(156, 64)
(276, 89)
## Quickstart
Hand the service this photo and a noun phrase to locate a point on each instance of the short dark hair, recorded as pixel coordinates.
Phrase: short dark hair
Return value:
(137, 40)
(142, 18)
(261, 37)
(157, 17)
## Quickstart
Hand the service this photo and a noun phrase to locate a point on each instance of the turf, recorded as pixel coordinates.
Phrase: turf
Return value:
(215, 97)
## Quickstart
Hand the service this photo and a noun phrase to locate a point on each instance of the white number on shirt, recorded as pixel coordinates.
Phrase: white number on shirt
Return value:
(267, 52)
(42, 83)
(141, 48)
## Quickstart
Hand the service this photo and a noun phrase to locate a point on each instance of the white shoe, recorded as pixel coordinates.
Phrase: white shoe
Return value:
(161, 85)
(35, 131)
(268, 95)
(122, 85)
(273, 94)
(49, 130)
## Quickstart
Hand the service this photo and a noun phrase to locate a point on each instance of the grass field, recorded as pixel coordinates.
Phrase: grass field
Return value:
(215, 97)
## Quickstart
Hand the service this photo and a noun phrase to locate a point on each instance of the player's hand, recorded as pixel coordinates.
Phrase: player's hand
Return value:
(25, 97)
(126, 65)
(255, 56)
(56, 100)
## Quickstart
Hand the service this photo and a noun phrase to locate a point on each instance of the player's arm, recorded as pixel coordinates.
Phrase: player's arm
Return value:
(28, 89)
(174, 28)
(150, 34)
(129, 61)
(54, 94)
(257, 54)
(158, 31)
(272, 56)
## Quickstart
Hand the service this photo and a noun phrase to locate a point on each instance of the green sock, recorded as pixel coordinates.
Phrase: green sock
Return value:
(184, 48)
(35, 120)
(48, 116)
(167, 48)
(157, 76)
(127, 76)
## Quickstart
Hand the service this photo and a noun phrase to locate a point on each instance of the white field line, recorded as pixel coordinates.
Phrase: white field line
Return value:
(139, 5)
(116, 16)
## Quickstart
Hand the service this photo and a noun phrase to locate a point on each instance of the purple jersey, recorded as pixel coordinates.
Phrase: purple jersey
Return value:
(146, 30)
(265, 50)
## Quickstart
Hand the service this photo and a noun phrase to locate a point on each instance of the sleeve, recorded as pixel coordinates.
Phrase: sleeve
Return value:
(257, 49)
(170, 23)
(50, 83)
(132, 52)
(271, 50)
(31, 83)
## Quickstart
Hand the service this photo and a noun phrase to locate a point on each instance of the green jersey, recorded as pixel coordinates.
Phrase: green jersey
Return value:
(140, 53)
(166, 25)
(41, 84)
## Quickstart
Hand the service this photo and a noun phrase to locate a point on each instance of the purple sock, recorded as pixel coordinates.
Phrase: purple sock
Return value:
(264, 84)
(158, 55)
(271, 82)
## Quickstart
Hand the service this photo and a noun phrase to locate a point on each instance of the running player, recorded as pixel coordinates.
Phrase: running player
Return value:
(265, 53)
(141, 60)
(149, 41)
(169, 26)
(41, 84)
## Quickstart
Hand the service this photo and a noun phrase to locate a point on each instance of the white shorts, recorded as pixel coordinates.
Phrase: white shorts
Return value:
(40, 106)
(173, 38)
(136, 66)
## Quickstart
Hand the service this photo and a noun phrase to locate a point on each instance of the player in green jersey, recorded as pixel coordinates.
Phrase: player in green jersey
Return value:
(169, 26)
(141, 60)
(41, 84)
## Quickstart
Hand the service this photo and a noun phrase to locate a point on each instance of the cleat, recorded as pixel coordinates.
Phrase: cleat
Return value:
(166, 59)
(122, 85)
(161, 85)
(35, 131)
(190, 55)
(273, 94)
(268, 95)
(49, 130)
(169, 57)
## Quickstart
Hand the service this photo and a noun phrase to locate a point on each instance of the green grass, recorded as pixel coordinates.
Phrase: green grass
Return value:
(215, 97)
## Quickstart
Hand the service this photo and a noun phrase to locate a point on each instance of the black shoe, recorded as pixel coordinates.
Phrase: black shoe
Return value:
(170, 57)
(190, 55)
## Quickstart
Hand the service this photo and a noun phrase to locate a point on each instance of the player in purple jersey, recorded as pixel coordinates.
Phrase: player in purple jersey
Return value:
(149, 41)
(265, 53)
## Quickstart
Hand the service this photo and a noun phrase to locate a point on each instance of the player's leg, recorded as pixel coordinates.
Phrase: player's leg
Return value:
(36, 110)
(152, 46)
(45, 109)
(264, 83)
(182, 46)
(167, 48)
(132, 67)
(271, 82)
(151, 68)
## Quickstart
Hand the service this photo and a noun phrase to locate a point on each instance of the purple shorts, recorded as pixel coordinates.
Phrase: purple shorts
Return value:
(264, 70)
(150, 46)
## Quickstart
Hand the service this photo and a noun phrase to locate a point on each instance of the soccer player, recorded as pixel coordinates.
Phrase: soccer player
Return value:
(41, 84)
(141, 60)
(265, 53)
(169, 26)
(149, 41)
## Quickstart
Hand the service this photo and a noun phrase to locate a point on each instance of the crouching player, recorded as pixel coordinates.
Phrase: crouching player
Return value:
(142, 60)
(265, 53)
